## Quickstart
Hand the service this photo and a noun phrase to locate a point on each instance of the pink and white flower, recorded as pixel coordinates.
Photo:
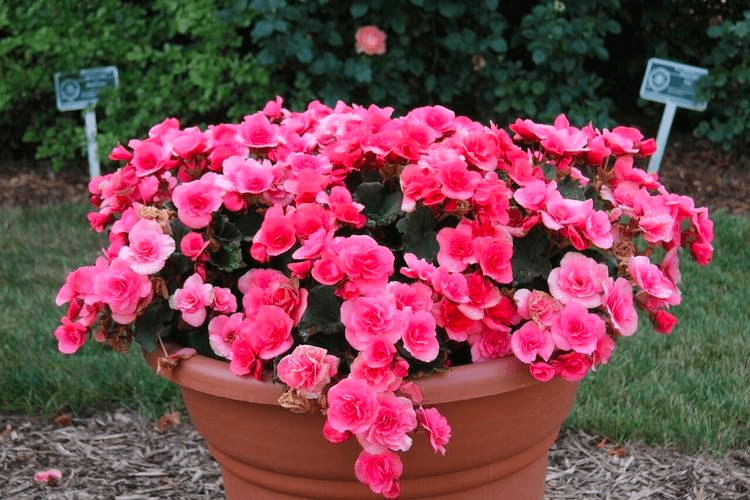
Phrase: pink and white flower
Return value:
(192, 300)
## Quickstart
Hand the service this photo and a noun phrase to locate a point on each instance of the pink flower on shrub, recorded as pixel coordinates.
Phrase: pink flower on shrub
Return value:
(598, 229)
(148, 157)
(122, 290)
(559, 212)
(420, 337)
(245, 359)
(533, 196)
(370, 40)
(456, 247)
(256, 131)
(578, 279)
(395, 419)
(490, 344)
(192, 245)
(541, 371)
(196, 201)
(416, 296)
(380, 472)
(378, 353)
(457, 181)
(271, 332)
(148, 247)
(437, 428)
(70, 336)
(192, 300)
(352, 406)
(664, 322)
(366, 263)
(618, 301)
(537, 306)
(248, 175)
(271, 287)
(577, 329)
(381, 377)
(494, 254)
(276, 234)
(224, 301)
(652, 280)
(457, 325)
(573, 367)
(369, 318)
(308, 369)
(224, 330)
(530, 341)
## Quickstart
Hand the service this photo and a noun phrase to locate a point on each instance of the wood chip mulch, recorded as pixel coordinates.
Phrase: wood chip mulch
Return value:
(122, 456)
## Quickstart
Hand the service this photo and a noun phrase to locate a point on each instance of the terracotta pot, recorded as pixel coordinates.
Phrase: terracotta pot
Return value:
(503, 425)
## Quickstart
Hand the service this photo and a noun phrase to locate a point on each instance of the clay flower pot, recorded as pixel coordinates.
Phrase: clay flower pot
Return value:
(503, 424)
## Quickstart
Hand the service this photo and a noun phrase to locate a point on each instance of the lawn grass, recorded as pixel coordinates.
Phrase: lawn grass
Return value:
(688, 390)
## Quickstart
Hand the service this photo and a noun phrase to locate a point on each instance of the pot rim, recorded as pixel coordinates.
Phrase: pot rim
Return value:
(457, 383)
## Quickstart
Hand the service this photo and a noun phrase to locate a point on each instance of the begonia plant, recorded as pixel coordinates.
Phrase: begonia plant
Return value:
(344, 251)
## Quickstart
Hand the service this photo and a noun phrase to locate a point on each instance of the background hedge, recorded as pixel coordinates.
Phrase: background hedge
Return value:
(207, 61)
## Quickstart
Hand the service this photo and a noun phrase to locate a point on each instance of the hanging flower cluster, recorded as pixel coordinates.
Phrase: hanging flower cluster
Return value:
(347, 251)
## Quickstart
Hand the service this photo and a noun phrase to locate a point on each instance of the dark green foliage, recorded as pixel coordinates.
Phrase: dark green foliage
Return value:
(322, 313)
(417, 229)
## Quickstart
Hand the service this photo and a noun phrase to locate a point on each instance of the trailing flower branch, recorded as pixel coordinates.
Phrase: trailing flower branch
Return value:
(344, 251)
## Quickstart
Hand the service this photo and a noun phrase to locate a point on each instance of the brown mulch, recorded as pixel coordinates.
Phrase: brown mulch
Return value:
(122, 456)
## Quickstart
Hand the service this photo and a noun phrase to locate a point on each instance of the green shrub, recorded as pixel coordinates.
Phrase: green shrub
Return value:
(175, 58)
(727, 86)
(483, 58)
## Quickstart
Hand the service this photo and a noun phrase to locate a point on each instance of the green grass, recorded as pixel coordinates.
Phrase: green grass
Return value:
(38, 247)
(688, 390)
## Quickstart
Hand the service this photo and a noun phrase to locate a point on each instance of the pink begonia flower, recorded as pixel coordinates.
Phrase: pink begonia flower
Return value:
(657, 225)
(412, 391)
(533, 196)
(245, 359)
(352, 406)
(559, 212)
(276, 233)
(80, 283)
(366, 263)
(417, 268)
(271, 332)
(530, 341)
(192, 300)
(457, 325)
(51, 477)
(702, 252)
(370, 40)
(70, 336)
(379, 353)
(457, 181)
(343, 207)
(311, 218)
(437, 427)
(380, 472)
(148, 156)
(490, 344)
(271, 287)
(605, 346)
(420, 336)
(196, 201)
(456, 249)
(504, 313)
(333, 436)
(248, 175)
(193, 245)
(395, 419)
(224, 301)
(577, 329)
(452, 286)
(618, 301)
(381, 378)
(494, 254)
(537, 306)
(416, 184)
(224, 330)
(598, 229)
(572, 367)
(308, 369)
(122, 290)
(541, 371)
(578, 279)
(369, 318)
(652, 280)
(664, 322)
(148, 247)
(327, 271)
(189, 143)
(256, 131)
(416, 296)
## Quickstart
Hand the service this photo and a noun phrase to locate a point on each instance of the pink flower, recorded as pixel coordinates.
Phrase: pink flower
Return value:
(380, 472)
(664, 322)
(577, 329)
(122, 290)
(457, 325)
(502, 314)
(352, 406)
(702, 252)
(618, 301)
(420, 337)
(248, 175)
(270, 287)
(456, 247)
(308, 369)
(51, 477)
(437, 427)
(257, 132)
(148, 247)
(652, 280)
(192, 299)
(245, 359)
(533, 196)
(379, 353)
(490, 344)
(382, 378)
(537, 306)
(573, 367)
(148, 156)
(494, 254)
(657, 225)
(598, 229)
(70, 336)
(192, 245)
(530, 341)
(457, 181)
(560, 212)
(271, 332)
(224, 330)
(369, 318)
(416, 296)
(395, 419)
(367, 264)
(541, 371)
(196, 201)
(224, 301)
(578, 279)
(370, 40)
(276, 234)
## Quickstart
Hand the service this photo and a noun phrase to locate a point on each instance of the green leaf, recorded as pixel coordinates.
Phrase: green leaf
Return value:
(323, 313)
(248, 224)
(530, 261)
(154, 321)
(539, 56)
(359, 9)
(229, 257)
(417, 230)
(451, 9)
(499, 45)
(225, 231)
(262, 29)
(491, 4)
(382, 208)
(305, 52)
